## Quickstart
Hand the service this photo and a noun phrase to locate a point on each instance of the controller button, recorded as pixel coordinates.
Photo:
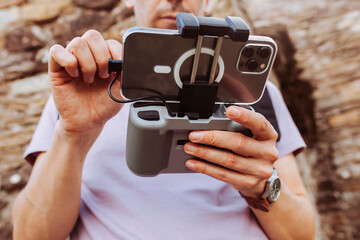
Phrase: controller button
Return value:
(149, 115)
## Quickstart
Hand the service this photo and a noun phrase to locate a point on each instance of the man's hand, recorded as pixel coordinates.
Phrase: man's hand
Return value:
(79, 81)
(245, 163)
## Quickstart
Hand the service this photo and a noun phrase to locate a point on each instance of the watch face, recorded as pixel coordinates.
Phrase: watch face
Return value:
(275, 189)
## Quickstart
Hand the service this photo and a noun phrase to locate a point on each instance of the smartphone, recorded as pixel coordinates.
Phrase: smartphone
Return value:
(159, 60)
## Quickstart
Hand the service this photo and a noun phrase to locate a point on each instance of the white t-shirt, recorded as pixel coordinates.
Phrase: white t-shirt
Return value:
(116, 204)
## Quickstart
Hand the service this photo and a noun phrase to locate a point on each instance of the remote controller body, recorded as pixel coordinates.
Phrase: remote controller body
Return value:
(155, 140)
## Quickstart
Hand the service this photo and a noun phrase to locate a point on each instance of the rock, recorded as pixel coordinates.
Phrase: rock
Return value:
(69, 27)
(14, 180)
(22, 39)
(350, 118)
(296, 92)
(3, 204)
(350, 92)
(30, 85)
(286, 50)
(19, 65)
(117, 31)
(8, 16)
(42, 56)
(2, 43)
(126, 13)
(121, 11)
(350, 20)
(326, 36)
(96, 4)
(5, 231)
(43, 11)
(9, 3)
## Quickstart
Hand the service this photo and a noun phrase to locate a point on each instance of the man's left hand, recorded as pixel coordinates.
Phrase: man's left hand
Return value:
(244, 162)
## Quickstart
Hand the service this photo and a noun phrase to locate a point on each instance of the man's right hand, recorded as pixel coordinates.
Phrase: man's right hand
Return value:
(79, 81)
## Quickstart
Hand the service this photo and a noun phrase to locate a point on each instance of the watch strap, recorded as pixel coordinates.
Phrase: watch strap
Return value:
(261, 204)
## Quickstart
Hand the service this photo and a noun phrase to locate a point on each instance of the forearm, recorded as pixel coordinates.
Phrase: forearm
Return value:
(48, 207)
(290, 217)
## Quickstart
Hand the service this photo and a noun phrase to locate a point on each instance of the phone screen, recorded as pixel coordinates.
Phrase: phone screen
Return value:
(159, 61)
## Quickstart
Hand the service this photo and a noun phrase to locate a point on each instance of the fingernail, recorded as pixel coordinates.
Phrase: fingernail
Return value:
(190, 164)
(189, 148)
(233, 112)
(195, 136)
(104, 75)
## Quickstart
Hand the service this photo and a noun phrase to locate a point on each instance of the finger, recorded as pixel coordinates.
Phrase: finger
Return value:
(229, 160)
(257, 123)
(99, 50)
(60, 58)
(115, 49)
(235, 142)
(241, 181)
(80, 49)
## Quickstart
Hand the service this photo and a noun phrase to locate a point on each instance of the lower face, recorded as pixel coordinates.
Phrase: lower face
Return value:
(162, 13)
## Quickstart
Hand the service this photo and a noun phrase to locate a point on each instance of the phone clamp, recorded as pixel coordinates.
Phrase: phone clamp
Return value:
(197, 98)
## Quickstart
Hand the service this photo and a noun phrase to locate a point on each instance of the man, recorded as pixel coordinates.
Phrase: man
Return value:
(80, 183)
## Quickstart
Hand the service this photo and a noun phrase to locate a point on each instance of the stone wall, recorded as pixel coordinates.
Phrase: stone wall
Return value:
(327, 112)
(326, 36)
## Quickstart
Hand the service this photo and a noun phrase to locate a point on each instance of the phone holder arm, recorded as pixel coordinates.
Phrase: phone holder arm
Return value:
(197, 100)
(191, 26)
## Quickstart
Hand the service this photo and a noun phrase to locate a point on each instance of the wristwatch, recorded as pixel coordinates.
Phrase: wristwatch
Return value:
(269, 196)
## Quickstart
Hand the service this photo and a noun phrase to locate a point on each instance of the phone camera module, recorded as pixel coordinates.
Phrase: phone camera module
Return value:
(248, 52)
(264, 52)
(252, 65)
(254, 58)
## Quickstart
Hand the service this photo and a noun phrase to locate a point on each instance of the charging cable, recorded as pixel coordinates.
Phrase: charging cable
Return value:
(116, 66)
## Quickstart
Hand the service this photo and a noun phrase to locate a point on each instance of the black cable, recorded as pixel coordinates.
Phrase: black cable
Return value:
(137, 99)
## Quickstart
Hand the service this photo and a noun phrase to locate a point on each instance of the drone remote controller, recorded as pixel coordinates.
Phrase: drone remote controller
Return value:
(156, 133)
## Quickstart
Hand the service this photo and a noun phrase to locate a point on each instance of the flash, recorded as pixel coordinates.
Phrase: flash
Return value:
(263, 66)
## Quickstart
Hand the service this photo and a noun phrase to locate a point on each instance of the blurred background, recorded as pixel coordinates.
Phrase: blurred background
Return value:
(317, 70)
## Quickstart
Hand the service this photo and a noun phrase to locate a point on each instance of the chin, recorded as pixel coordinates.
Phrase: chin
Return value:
(166, 25)
(174, 27)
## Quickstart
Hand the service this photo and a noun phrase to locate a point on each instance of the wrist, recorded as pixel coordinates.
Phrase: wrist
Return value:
(254, 192)
(82, 141)
(270, 194)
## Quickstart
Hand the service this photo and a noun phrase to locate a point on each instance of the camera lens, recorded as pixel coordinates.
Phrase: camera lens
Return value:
(252, 65)
(264, 52)
(248, 52)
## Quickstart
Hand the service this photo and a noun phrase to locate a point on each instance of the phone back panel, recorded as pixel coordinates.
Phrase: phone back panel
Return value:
(155, 60)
